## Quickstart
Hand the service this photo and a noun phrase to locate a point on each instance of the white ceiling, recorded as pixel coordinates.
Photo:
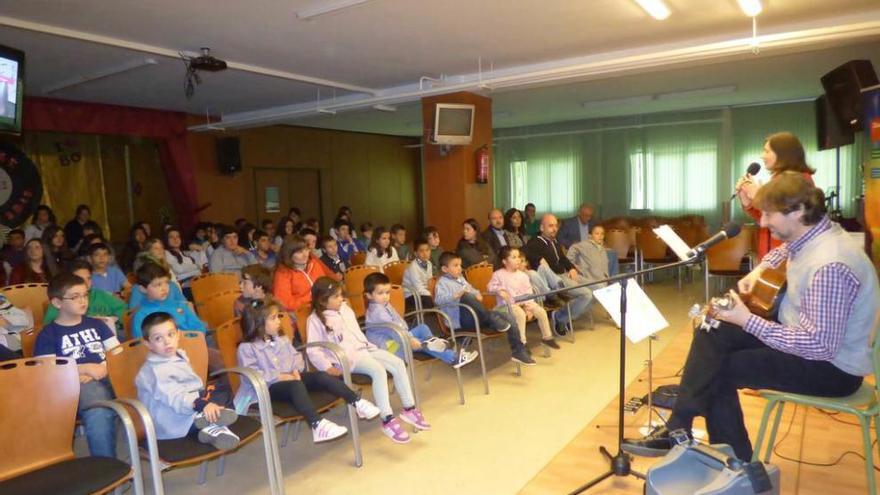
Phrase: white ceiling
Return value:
(386, 45)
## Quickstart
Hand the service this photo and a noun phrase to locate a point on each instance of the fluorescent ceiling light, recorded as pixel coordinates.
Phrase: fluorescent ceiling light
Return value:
(326, 7)
(617, 102)
(656, 8)
(750, 8)
(98, 74)
(696, 93)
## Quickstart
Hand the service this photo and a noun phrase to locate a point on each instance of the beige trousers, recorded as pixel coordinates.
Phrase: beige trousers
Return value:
(540, 314)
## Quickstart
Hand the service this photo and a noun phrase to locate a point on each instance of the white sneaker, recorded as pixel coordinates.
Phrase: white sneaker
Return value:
(465, 357)
(220, 437)
(366, 409)
(435, 344)
(327, 430)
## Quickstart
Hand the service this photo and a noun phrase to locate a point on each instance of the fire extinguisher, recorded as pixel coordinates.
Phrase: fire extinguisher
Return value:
(482, 159)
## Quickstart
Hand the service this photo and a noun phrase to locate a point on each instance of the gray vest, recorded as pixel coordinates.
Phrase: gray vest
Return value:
(835, 245)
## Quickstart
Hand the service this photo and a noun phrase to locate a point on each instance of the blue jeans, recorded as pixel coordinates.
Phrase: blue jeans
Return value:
(613, 262)
(423, 333)
(99, 422)
(582, 300)
(491, 319)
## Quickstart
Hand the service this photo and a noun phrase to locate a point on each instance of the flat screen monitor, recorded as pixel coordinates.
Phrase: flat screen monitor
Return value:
(11, 89)
(453, 123)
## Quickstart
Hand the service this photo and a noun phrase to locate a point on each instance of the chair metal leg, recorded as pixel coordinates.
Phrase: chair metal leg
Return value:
(706, 281)
(545, 350)
(203, 473)
(296, 428)
(354, 428)
(285, 434)
(756, 452)
(221, 465)
(430, 370)
(868, 446)
(460, 386)
(483, 365)
(772, 440)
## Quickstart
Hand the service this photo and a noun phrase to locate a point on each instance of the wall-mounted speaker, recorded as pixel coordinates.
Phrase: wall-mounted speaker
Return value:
(229, 155)
(843, 87)
(830, 133)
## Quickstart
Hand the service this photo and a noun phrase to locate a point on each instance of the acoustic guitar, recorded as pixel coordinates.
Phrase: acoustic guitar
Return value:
(762, 301)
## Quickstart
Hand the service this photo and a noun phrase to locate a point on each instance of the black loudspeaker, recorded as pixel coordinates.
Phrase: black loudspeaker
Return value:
(843, 87)
(829, 133)
(229, 155)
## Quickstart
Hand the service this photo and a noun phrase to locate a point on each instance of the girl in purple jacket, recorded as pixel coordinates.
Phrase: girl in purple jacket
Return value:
(267, 350)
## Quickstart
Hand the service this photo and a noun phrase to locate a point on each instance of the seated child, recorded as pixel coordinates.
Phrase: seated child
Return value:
(345, 243)
(332, 320)
(398, 240)
(381, 251)
(267, 350)
(590, 256)
(264, 251)
(363, 242)
(105, 275)
(509, 282)
(417, 275)
(452, 289)
(255, 285)
(13, 321)
(330, 255)
(432, 235)
(177, 399)
(85, 340)
(102, 305)
(153, 284)
(377, 289)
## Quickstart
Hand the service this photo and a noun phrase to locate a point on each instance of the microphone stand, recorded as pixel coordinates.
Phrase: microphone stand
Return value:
(620, 464)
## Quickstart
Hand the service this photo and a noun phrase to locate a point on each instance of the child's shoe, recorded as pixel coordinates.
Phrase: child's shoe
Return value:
(465, 357)
(220, 437)
(521, 356)
(394, 430)
(435, 344)
(227, 417)
(414, 417)
(366, 409)
(327, 430)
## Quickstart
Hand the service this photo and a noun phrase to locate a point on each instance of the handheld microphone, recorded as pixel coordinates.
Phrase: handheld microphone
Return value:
(732, 229)
(752, 171)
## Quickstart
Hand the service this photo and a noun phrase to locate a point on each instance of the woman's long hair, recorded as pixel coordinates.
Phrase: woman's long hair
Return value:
(789, 152)
(322, 290)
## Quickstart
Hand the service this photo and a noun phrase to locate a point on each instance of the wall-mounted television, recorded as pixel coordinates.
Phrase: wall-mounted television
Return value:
(11, 89)
(453, 123)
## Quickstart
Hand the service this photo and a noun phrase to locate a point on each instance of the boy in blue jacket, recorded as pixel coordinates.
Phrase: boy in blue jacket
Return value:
(153, 281)
(174, 394)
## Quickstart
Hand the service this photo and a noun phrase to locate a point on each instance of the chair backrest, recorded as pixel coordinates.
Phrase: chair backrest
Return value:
(479, 275)
(205, 286)
(651, 246)
(357, 259)
(619, 242)
(228, 337)
(218, 309)
(125, 361)
(302, 316)
(37, 425)
(354, 287)
(754, 233)
(125, 295)
(31, 296)
(126, 323)
(432, 288)
(394, 271)
(29, 341)
(727, 255)
(398, 299)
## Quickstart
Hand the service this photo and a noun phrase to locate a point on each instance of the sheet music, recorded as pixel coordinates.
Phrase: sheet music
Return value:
(643, 319)
(676, 243)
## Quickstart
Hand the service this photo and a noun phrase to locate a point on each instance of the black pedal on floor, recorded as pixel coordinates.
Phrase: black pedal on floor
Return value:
(633, 405)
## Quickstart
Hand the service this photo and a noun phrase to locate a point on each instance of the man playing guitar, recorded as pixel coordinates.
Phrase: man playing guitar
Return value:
(821, 344)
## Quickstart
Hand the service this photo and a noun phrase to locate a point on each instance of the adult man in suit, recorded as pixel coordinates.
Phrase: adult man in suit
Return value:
(494, 233)
(576, 228)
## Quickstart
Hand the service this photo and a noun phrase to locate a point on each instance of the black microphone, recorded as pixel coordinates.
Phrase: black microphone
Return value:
(730, 230)
(753, 170)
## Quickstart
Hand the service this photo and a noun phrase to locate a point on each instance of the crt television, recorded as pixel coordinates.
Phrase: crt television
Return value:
(11, 89)
(453, 123)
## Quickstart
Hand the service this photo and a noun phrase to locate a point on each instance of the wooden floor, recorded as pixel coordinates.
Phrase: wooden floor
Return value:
(813, 436)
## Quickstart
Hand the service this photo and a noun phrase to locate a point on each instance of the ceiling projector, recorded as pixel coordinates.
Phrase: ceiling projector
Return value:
(205, 62)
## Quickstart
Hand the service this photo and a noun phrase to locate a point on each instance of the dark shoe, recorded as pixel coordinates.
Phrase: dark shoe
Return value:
(550, 343)
(522, 357)
(562, 328)
(553, 302)
(656, 444)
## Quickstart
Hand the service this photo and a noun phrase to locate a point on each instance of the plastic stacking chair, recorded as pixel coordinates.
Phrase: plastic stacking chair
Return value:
(208, 284)
(864, 404)
(354, 287)
(229, 335)
(31, 296)
(653, 251)
(218, 309)
(619, 241)
(395, 270)
(123, 364)
(36, 429)
(725, 260)
(357, 259)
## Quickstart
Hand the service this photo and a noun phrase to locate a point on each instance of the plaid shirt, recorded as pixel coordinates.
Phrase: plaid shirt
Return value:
(825, 306)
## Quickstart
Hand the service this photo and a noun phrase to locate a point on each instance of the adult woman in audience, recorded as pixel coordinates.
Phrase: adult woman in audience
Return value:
(137, 236)
(146, 226)
(43, 217)
(286, 227)
(36, 269)
(514, 232)
(296, 215)
(783, 152)
(183, 265)
(471, 247)
(295, 273)
(73, 230)
(54, 239)
(531, 222)
(246, 236)
(381, 252)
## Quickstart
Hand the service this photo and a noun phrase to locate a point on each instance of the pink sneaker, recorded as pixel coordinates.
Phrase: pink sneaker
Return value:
(394, 430)
(415, 418)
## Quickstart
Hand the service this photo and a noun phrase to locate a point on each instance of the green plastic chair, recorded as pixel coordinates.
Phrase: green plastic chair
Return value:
(863, 404)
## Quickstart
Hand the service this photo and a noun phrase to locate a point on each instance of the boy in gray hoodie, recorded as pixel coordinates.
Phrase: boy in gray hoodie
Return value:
(174, 394)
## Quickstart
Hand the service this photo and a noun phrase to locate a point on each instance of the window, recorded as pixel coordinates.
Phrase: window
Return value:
(549, 184)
